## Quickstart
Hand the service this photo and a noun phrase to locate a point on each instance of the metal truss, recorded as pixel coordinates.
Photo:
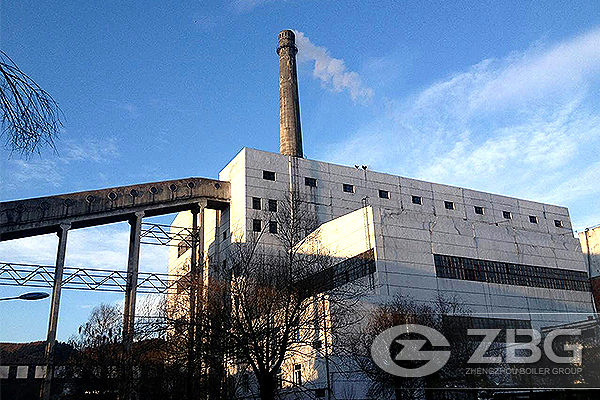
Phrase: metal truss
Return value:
(13, 274)
(165, 235)
(16, 274)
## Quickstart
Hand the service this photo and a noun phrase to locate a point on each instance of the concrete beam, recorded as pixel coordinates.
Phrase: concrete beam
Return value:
(38, 216)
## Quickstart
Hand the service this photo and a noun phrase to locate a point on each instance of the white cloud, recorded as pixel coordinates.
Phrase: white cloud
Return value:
(332, 72)
(103, 247)
(247, 5)
(91, 149)
(33, 171)
(53, 172)
(525, 125)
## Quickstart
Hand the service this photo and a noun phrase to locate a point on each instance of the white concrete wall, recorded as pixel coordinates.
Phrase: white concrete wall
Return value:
(407, 235)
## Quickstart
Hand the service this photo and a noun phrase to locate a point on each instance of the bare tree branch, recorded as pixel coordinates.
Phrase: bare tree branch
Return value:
(31, 118)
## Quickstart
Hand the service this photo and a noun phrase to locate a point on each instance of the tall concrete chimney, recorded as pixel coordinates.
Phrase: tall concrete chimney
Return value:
(290, 136)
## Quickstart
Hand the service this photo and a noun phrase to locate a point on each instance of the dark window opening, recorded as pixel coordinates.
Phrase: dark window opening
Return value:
(225, 234)
(507, 214)
(272, 226)
(417, 200)
(479, 210)
(471, 269)
(297, 374)
(256, 203)
(558, 223)
(269, 175)
(320, 392)
(256, 225)
(533, 219)
(384, 194)
(449, 205)
(246, 382)
(348, 188)
(272, 205)
(312, 182)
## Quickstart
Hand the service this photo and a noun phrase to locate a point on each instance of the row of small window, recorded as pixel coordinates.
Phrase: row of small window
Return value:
(457, 326)
(449, 205)
(312, 182)
(257, 204)
(384, 194)
(471, 269)
(468, 322)
(344, 272)
(257, 226)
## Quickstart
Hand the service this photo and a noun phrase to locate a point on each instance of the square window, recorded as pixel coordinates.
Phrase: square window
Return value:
(320, 392)
(256, 203)
(417, 200)
(272, 226)
(269, 175)
(384, 194)
(272, 205)
(312, 182)
(449, 205)
(533, 219)
(256, 225)
(348, 188)
(558, 223)
(297, 374)
(479, 210)
(507, 214)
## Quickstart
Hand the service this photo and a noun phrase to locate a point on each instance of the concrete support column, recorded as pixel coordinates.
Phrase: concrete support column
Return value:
(196, 292)
(133, 263)
(56, 289)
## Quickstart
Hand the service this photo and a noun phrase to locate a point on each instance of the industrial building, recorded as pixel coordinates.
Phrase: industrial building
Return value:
(510, 261)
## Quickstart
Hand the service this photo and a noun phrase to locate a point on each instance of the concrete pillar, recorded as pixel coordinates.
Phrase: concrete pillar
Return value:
(133, 263)
(196, 292)
(56, 289)
(290, 135)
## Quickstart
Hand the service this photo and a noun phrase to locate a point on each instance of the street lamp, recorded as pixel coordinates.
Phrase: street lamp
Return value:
(28, 296)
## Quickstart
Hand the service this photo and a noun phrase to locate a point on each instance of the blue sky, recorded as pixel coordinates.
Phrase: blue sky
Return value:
(495, 96)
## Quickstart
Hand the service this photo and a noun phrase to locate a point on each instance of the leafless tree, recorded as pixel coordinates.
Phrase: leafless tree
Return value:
(31, 118)
(272, 303)
(104, 365)
(400, 311)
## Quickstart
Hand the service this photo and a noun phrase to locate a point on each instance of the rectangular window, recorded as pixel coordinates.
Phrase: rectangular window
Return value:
(417, 200)
(320, 392)
(558, 223)
(269, 175)
(479, 210)
(272, 226)
(533, 219)
(507, 214)
(225, 234)
(348, 188)
(384, 194)
(256, 203)
(246, 382)
(272, 205)
(298, 374)
(510, 274)
(312, 182)
(256, 225)
(449, 205)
